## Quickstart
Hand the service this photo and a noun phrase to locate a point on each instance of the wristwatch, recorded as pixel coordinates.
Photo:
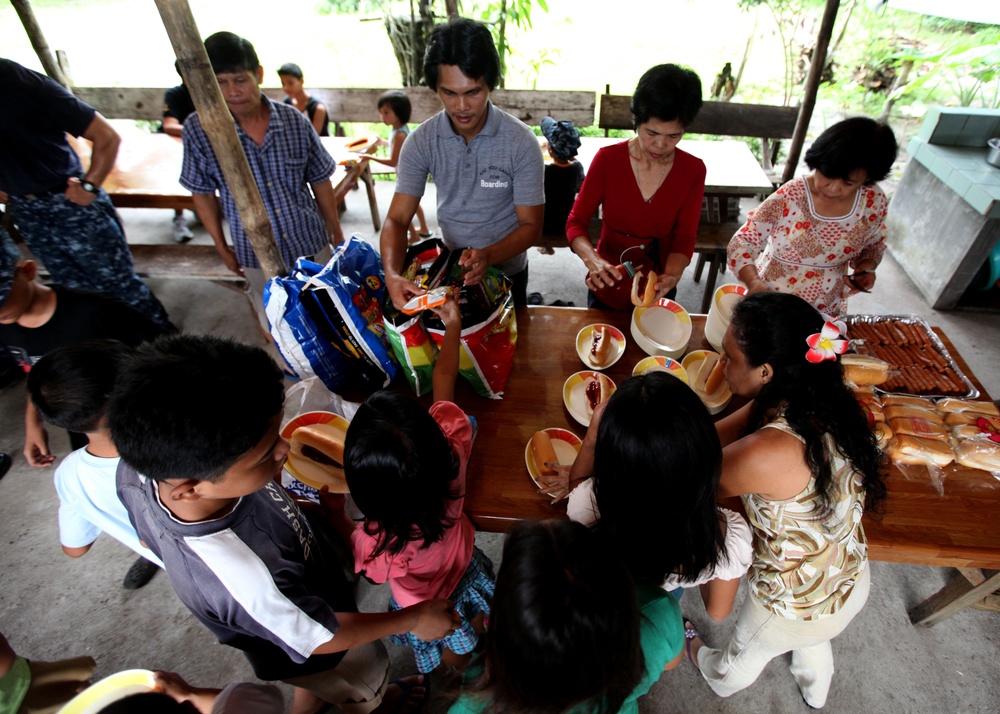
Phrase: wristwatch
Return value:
(88, 186)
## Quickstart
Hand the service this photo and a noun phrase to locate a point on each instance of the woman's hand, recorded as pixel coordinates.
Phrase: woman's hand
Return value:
(860, 281)
(601, 273)
(665, 283)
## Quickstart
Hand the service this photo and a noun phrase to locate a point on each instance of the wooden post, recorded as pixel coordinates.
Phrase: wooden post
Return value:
(42, 49)
(221, 131)
(811, 88)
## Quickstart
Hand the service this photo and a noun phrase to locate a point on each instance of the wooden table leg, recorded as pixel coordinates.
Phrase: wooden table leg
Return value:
(366, 176)
(717, 258)
(953, 597)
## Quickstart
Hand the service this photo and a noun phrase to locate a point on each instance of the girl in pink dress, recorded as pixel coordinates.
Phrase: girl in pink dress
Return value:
(405, 467)
(806, 235)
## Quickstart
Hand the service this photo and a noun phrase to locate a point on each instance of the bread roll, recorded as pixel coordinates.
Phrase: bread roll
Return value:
(963, 405)
(598, 390)
(704, 373)
(600, 346)
(648, 296)
(318, 445)
(979, 454)
(862, 369)
(872, 407)
(953, 419)
(895, 412)
(914, 450)
(543, 453)
(900, 400)
(915, 426)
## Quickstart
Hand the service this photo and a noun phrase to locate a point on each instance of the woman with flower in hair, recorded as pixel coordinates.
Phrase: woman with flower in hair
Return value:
(804, 462)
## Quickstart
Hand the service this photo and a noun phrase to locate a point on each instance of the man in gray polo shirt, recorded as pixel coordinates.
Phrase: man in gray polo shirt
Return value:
(486, 164)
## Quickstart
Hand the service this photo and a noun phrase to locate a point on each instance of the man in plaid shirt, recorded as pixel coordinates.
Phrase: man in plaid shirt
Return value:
(286, 158)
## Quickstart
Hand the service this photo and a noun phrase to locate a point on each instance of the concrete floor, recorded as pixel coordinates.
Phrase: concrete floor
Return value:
(51, 606)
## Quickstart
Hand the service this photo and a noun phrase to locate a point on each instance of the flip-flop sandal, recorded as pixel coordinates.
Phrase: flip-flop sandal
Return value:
(406, 688)
(689, 634)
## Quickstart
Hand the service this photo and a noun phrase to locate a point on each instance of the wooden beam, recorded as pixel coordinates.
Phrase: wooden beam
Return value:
(358, 104)
(811, 88)
(38, 42)
(221, 131)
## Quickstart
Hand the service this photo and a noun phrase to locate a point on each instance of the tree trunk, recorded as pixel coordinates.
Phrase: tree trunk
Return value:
(811, 88)
(218, 124)
(38, 42)
(408, 37)
(902, 77)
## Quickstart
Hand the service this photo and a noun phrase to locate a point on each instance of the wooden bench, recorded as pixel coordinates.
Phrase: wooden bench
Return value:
(766, 122)
(162, 260)
(360, 104)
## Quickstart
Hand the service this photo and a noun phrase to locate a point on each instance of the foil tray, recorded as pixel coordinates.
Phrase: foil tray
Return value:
(932, 339)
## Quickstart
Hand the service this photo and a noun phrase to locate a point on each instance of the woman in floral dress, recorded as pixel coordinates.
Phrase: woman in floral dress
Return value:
(804, 237)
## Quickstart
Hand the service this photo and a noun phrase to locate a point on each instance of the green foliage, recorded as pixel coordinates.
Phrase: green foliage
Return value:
(326, 7)
(498, 14)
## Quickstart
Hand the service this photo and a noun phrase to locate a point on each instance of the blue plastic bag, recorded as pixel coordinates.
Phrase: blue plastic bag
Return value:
(306, 352)
(344, 301)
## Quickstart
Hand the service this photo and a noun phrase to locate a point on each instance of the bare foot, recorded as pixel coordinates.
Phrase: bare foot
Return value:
(403, 696)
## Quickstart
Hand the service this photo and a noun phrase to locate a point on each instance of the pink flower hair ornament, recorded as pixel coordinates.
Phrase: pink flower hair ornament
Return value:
(827, 343)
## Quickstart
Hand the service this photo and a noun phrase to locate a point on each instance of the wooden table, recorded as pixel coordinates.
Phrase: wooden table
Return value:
(958, 528)
(148, 166)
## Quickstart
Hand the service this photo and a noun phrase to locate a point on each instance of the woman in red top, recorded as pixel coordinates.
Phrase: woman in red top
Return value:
(650, 193)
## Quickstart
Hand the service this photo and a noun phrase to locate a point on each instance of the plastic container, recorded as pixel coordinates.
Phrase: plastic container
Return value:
(993, 153)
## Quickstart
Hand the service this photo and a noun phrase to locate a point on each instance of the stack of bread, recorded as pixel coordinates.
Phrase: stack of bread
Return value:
(919, 434)
(975, 432)
(916, 431)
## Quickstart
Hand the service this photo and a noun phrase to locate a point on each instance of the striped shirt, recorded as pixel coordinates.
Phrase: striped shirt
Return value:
(290, 159)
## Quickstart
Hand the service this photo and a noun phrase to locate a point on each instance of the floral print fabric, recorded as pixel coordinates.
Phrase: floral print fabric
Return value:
(795, 250)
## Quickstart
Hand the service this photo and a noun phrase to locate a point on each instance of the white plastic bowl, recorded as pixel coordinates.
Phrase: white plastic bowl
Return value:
(663, 329)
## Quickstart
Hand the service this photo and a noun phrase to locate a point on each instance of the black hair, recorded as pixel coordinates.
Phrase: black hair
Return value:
(852, 144)
(290, 68)
(398, 102)
(190, 406)
(71, 385)
(667, 92)
(401, 471)
(771, 328)
(656, 438)
(228, 52)
(147, 703)
(564, 629)
(468, 45)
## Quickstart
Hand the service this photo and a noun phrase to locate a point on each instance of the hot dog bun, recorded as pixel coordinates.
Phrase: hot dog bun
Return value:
(598, 390)
(914, 450)
(648, 296)
(862, 369)
(600, 346)
(318, 448)
(543, 453)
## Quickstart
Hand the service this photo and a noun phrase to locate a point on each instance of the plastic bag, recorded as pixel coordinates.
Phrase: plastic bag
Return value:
(306, 352)
(489, 325)
(344, 301)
